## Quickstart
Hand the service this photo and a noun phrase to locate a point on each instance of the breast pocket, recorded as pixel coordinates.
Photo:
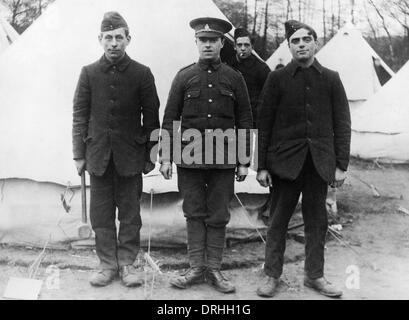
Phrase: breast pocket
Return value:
(226, 108)
(191, 102)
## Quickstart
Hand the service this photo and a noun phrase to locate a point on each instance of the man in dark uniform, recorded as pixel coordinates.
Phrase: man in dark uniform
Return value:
(304, 143)
(254, 70)
(207, 96)
(113, 95)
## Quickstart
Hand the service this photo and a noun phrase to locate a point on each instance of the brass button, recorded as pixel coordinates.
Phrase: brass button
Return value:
(210, 85)
(210, 71)
(210, 100)
(209, 115)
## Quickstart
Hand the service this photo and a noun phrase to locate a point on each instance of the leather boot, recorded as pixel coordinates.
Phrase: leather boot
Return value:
(322, 286)
(130, 277)
(103, 277)
(196, 242)
(192, 276)
(219, 281)
(269, 289)
(215, 239)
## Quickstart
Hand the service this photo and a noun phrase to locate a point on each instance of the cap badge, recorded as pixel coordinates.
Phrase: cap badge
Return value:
(207, 28)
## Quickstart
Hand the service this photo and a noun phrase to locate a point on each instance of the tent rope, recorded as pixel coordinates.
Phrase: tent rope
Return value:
(245, 213)
(149, 251)
(33, 269)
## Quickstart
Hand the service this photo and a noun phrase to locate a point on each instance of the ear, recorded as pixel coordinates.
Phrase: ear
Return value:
(317, 45)
(100, 37)
(129, 38)
(222, 41)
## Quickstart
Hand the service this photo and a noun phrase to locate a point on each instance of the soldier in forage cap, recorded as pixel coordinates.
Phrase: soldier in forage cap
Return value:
(304, 131)
(116, 107)
(206, 96)
(253, 69)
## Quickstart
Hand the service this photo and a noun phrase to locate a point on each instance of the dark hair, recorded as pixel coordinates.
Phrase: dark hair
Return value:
(251, 38)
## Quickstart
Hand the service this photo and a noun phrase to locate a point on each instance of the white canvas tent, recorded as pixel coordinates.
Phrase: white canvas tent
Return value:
(37, 81)
(281, 55)
(349, 54)
(381, 125)
(7, 34)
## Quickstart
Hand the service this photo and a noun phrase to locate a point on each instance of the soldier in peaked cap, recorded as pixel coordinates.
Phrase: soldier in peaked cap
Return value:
(304, 131)
(206, 96)
(253, 69)
(116, 107)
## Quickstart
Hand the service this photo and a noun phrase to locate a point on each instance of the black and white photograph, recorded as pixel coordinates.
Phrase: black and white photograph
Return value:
(223, 152)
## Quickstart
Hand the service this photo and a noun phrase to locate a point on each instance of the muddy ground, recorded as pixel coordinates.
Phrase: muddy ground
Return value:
(370, 261)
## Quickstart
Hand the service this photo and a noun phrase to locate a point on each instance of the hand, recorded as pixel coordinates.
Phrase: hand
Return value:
(241, 173)
(80, 165)
(264, 178)
(166, 170)
(340, 177)
(149, 166)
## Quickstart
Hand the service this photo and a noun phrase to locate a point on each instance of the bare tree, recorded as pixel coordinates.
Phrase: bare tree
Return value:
(339, 15)
(264, 40)
(385, 28)
(399, 10)
(289, 14)
(299, 10)
(332, 18)
(245, 20)
(324, 28)
(353, 11)
(255, 17)
(368, 19)
(24, 12)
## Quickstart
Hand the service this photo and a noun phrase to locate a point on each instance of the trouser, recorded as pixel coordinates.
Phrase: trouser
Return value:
(284, 200)
(206, 197)
(109, 192)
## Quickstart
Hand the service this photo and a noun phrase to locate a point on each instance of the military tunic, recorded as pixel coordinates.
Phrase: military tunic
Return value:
(207, 96)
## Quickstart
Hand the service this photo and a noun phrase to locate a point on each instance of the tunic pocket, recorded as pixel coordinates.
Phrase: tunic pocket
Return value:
(191, 102)
(227, 107)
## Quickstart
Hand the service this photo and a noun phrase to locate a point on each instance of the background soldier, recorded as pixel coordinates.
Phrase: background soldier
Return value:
(304, 139)
(111, 143)
(207, 95)
(254, 70)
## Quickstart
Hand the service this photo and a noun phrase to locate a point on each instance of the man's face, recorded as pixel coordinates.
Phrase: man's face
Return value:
(209, 47)
(302, 45)
(114, 43)
(243, 47)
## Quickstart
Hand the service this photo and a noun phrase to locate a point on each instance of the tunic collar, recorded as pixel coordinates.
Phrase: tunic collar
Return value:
(121, 65)
(206, 65)
(293, 67)
(251, 60)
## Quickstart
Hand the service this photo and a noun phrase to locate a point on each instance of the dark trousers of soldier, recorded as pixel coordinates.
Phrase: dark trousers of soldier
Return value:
(109, 192)
(284, 201)
(206, 197)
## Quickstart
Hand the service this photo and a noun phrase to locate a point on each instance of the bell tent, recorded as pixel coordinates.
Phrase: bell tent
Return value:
(361, 69)
(380, 129)
(39, 73)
